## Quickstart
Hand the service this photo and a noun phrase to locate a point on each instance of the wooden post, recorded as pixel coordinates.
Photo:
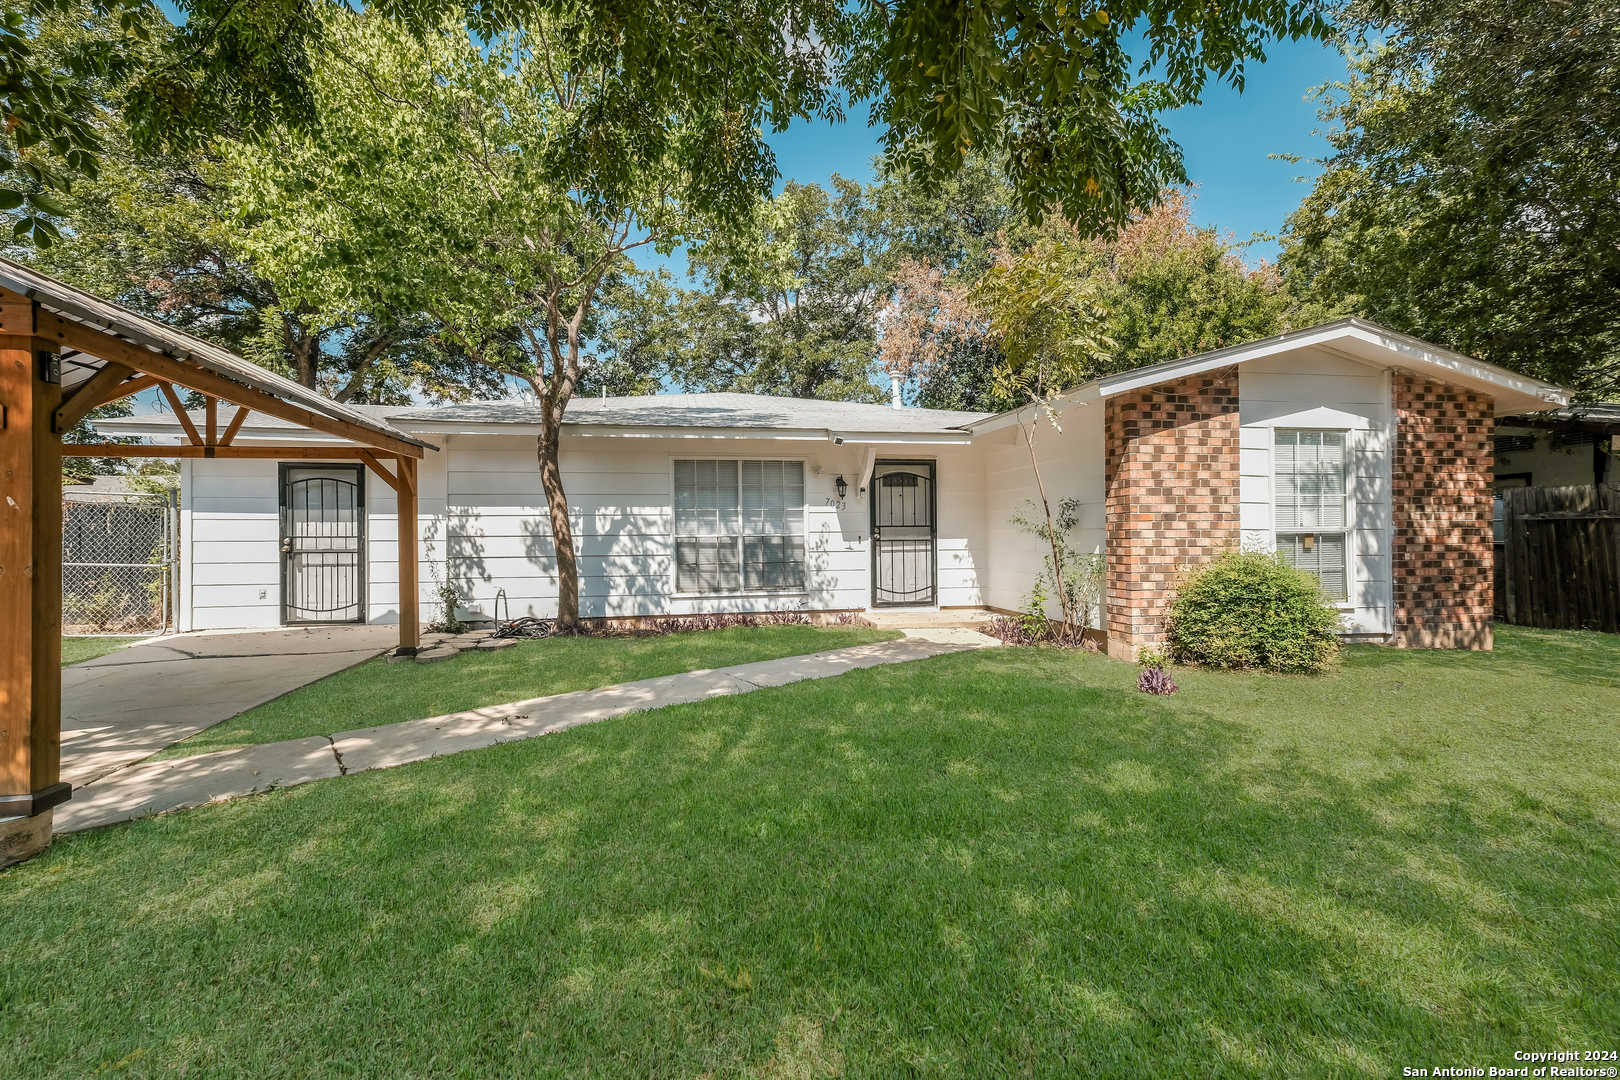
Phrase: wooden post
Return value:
(30, 583)
(410, 616)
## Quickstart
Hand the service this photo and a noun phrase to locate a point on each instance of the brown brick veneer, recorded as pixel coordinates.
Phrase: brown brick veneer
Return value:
(1172, 478)
(1442, 504)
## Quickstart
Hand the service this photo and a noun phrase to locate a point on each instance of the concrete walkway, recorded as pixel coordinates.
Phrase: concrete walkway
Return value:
(180, 783)
(133, 702)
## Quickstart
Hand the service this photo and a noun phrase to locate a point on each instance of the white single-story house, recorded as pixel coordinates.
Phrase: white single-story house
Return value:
(1363, 453)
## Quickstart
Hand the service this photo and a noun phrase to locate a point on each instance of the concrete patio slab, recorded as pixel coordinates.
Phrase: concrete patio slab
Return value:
(128, 705)
(179, 783)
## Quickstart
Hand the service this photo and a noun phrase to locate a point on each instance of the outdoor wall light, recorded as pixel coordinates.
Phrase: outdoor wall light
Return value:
(843, 488)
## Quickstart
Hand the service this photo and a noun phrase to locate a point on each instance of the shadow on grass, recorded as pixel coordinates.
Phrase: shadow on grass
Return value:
(979, 865)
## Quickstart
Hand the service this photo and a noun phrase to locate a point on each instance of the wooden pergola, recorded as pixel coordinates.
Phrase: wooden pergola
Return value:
(64, 352)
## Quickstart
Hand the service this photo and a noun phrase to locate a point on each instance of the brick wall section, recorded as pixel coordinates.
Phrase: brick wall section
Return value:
(1172, 483)
(1442, 503)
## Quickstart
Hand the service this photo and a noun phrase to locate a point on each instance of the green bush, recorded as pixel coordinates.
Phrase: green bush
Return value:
(1245, 609)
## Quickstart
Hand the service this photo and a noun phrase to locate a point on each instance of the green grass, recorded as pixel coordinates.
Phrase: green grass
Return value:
(76, 650)
(1002, 863)
(378, 692)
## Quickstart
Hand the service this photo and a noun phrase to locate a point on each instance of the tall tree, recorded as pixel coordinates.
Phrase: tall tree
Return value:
(1169, 289)
(159, 235)
(431, 182)
(792, 314)
(1053, 93)
(1471, 195)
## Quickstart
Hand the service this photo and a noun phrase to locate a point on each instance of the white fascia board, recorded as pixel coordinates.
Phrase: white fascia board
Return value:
(123, 427)
(1363, 342)
(904, 438)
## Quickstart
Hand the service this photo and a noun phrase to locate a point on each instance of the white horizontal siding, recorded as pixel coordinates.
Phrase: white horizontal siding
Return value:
(1317, 389)
(1072, 464)
(484, 524)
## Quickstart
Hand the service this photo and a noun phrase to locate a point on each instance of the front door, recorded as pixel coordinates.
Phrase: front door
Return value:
(903, 533)
(323, 543)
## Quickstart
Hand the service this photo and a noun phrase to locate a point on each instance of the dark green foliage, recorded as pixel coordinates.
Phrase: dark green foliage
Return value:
(1471, 196)
(795, 317)
(1246, 609)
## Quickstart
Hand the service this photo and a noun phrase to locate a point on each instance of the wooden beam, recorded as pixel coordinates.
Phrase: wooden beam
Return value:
(181, 373)
(146, 450)
(30, 584)
(89, 394)
(211, 422)
(235, 425)
(180, 413)
(17, 479)
(377, 467)
(410, 599)
(125, 389)
(46, 735)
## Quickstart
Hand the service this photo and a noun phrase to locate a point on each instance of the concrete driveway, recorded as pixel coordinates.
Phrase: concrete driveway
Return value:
(129, 704)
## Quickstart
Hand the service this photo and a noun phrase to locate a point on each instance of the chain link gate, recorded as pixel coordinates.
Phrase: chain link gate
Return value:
(120, 556)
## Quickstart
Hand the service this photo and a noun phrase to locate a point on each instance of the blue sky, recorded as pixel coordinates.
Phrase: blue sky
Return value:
(1226, 140)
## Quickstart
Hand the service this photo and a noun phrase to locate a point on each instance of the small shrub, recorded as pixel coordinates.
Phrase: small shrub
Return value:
(450, 601)
(1155, 681)
(1246, 609)
(1033, 622)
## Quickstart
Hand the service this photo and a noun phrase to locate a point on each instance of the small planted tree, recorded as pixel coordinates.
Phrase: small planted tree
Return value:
(1048, 324)
(1250, 609)
(1077, 574)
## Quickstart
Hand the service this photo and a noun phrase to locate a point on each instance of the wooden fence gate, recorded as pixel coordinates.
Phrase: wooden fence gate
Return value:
(1558, 558)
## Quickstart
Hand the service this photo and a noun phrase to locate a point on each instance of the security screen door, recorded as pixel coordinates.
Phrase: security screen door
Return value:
(903, 533)
(322, 544)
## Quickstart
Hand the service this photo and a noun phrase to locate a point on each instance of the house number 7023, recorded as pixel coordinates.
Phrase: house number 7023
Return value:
(839, 503)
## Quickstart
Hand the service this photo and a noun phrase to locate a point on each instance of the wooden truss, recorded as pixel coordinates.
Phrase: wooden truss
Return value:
(34, 412)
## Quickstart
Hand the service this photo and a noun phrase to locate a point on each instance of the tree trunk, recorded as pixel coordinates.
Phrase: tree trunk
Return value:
(562, 534)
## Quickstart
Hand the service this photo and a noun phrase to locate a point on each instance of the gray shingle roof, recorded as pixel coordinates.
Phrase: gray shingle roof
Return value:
(664, 410)
(709, 411)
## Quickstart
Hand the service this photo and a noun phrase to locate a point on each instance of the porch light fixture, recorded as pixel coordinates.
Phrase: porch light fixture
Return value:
(843, 488)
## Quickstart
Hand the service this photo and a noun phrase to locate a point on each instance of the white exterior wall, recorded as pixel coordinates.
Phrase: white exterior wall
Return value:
(1314, 388)
(230, 569)
(621, 494)
(1072, 462)
(481, 508)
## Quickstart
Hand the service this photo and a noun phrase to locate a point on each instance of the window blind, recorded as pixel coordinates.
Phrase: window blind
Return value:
(1311, 505)
(1309, 467)
(739, 525)
(1324, 558)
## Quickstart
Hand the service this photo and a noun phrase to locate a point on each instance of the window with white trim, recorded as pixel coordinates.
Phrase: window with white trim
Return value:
(739, 526)
(1312, 511)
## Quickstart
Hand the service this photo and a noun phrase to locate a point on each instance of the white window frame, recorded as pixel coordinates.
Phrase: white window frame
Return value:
(1349, 529)
(675, 592)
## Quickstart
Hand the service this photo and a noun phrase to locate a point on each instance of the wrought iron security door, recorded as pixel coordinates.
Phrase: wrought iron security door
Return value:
(903, 533)
(322, 544)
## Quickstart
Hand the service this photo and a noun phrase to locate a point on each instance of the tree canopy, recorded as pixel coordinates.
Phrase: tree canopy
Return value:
(1471, 196)
(1054, 94)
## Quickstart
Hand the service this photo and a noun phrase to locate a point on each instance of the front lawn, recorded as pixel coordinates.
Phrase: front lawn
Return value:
(378, 692)
(999, 863)
(76, 650)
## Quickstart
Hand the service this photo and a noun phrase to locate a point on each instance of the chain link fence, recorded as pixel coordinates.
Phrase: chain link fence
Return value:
(119, 562)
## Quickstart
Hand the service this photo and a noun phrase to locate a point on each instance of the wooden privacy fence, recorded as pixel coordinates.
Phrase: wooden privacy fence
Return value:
(1558, 564)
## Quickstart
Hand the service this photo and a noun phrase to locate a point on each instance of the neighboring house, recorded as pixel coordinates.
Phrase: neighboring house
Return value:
(1562, 448)
(1362, 453)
